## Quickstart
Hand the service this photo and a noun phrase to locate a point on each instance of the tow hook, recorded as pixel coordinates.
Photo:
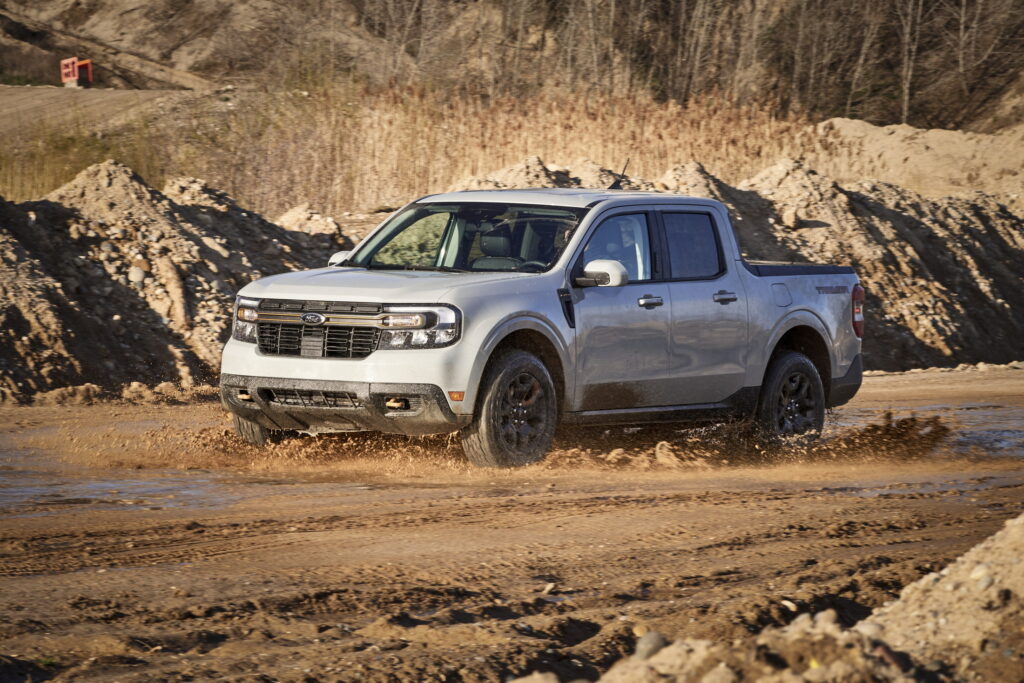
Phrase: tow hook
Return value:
(397, 403)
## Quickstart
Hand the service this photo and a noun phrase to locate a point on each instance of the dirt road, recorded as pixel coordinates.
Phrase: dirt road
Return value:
(355, 558)
(27, 110)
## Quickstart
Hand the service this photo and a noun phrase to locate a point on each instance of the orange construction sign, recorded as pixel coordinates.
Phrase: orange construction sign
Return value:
(75, 71)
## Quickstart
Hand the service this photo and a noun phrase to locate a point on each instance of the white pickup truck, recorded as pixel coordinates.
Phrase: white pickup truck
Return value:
(500, 314)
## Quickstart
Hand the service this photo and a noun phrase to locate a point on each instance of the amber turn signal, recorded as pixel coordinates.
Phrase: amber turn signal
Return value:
(456, 395)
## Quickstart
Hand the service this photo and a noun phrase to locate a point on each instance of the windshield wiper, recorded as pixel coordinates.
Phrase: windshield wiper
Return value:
(441, 269)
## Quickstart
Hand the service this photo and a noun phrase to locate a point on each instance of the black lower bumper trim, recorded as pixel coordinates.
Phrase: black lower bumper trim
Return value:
(845, 388)
(324, 405)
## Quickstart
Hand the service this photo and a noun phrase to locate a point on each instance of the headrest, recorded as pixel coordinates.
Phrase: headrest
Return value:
(496, 242)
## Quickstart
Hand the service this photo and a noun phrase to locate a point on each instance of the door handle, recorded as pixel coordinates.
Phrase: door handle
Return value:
(648, 301)
(723, 297)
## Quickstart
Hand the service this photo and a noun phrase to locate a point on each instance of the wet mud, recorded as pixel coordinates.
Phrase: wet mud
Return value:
(145, 542)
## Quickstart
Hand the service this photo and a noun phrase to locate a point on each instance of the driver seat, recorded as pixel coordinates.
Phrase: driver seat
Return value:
(496, 244)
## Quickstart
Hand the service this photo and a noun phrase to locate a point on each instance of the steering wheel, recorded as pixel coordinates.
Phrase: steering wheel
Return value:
(533, 266)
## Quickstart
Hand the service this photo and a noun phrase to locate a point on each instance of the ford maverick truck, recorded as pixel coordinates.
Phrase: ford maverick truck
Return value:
(500, 314)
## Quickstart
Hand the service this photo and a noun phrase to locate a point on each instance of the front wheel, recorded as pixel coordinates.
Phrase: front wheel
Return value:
(792, 402)
(251, 432)
(516, 413)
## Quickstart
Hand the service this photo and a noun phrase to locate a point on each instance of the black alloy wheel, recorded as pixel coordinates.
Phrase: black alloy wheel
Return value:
(792, 402)
(516, 413)
(523, 415)
(795, 406)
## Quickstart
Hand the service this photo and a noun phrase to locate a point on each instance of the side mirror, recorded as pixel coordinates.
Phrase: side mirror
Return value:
(603, 273)
(338, 257)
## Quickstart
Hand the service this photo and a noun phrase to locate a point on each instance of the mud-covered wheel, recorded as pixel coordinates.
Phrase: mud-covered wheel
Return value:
(792, 402)
(251, 432)
(516, 413)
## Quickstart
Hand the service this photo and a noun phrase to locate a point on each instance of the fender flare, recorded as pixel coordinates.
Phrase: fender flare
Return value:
(802, 317)
(517, 322)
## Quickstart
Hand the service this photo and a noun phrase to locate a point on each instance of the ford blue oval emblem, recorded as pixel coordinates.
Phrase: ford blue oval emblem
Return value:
(313, 318)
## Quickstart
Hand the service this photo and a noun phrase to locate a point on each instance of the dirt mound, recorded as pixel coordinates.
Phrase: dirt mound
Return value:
(942, 287)
(930, 161)
(533, 172)
(968, 618)
(112, 282)
(817, 645)
(966, 621)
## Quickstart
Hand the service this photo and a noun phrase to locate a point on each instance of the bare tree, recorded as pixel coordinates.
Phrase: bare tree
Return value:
(910, 16)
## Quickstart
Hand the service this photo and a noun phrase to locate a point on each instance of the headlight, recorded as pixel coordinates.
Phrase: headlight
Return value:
(419, 327)
(244, 315)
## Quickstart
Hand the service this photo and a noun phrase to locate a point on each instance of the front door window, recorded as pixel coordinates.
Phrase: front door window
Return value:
(625, 239)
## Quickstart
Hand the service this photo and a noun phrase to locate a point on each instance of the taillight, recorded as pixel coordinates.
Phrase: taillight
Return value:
(858, 310)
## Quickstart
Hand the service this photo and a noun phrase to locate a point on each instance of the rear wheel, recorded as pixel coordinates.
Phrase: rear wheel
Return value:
(792, 402)
(251, 432)
(516, 413)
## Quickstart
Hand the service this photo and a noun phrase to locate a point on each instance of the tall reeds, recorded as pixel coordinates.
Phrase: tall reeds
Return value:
(345, 147)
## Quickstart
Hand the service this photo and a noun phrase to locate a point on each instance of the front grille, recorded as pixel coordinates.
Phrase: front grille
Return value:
(311, 399)
(316, 341)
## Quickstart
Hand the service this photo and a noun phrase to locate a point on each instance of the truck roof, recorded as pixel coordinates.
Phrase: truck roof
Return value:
(558, 197)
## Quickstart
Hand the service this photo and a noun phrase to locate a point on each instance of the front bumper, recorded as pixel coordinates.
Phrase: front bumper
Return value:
(331, 406)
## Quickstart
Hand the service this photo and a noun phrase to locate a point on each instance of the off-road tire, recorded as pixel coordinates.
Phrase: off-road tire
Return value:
(792, 401)
(252, 432)
(516, 413)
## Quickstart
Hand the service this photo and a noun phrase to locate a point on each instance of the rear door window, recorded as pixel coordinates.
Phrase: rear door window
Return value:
(694, 250)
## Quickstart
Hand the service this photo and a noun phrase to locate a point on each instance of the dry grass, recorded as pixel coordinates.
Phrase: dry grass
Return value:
(345, 147)
(53, 153)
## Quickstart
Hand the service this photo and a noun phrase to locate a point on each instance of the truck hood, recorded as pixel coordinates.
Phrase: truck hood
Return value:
(378, 286)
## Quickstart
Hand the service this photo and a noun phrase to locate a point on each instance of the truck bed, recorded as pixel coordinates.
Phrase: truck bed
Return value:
(778, 268)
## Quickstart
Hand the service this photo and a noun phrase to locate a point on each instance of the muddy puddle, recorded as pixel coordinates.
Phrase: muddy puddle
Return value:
(150, 458)
(33, 482)
(976, 429)
(27, 486)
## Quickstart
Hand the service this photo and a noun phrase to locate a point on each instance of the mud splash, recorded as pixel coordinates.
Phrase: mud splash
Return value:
(391, 456)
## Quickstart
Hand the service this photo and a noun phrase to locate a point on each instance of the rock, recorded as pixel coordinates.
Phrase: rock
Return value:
(303, 219)
(216, 246)
(136, 274)
(720, 674)
(538, 677)
(980, 570)
(649, 644)
(790, 217)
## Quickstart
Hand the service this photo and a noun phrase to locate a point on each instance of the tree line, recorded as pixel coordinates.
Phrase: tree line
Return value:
(930, 63)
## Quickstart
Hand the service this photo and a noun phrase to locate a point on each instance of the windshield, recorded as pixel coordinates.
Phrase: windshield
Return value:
(471, 237)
